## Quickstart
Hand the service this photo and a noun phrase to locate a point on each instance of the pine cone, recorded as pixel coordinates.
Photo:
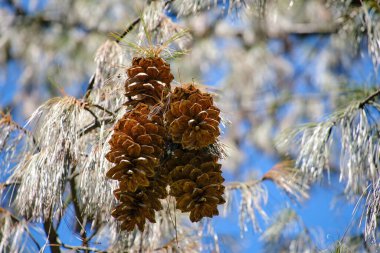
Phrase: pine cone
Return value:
(135, 208)
(136, 148)
(196, 183)
(193, 120)
(184, 92)
(148, 82)
(158, 185)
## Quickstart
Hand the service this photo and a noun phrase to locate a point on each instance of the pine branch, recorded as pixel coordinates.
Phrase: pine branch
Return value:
(136, 22)
(118, 39)
(93, 114)
(33, 239)
(76, 248)
(91, 83)
(102, 108)
(8, 120)
(97, 122)
(369, 99)
(94, 233)
(85, 130)
(16, 219)
(78, 212)
(8, 184)
(253, 198)
(284, 176)
(277, 237)
(52, 235)
(90, 87)
(239, 185)
(359, 142)
(305, 30)
(128, 29)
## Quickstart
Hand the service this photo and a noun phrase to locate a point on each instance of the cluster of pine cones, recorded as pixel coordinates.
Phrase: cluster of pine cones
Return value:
(165, 138)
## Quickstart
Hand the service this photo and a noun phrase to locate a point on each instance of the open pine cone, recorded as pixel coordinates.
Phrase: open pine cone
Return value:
(148, 82)
(196, 183)
(134, 208)
(193, 120)
(136, 147)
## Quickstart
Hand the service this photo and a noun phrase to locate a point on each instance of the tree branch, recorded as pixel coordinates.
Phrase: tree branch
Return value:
(76, 248)
(90, 87)
(78, 212)
(94, 126)
(304, 29)
(369, 98)
(239, 185)
(103, 109)
(51, 234)
(16, 219)
(96, 230)
(136, 22)
(32, 238)
(7, 119)
(8, 184)
(128, 30)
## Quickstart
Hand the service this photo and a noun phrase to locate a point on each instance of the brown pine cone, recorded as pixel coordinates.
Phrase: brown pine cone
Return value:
(184, 92)
(180, 157)
(148, 82)
(196, 184)
(135, 208)
(158, 185)
(136, 148)
(192, 120)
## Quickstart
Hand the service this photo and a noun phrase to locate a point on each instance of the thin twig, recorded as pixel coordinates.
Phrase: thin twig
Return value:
(24, 130)
(128, 29)
(51, 234)
(16, 219)
(5, 140)
(90, 87)
(85, 130)
(369, 98)
(91, 83)
(32, 238)
(239, 185)
(76, 248)
(7, 184)
(74, 175)
(103, 109)
(136, 22)
(96, 230)
(78, 212)
(95, 125)
(93, 114)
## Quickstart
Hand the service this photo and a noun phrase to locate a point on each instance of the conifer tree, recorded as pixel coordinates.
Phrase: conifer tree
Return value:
(187, 115)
